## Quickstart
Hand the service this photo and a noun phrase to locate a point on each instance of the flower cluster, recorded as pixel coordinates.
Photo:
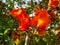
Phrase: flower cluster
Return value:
(53, 3)
(40, 20)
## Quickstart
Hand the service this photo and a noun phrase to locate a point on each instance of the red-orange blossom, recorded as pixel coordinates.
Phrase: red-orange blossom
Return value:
(22, 17)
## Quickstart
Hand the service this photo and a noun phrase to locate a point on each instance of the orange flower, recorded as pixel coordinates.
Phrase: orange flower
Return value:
(41, 31)
(34, 21)
(22, 17)
(44, 19)
(53, 3)
(53, 15)
(41, 20)
(15, 12)
(18, 13)
(23, 24)
(37, 10)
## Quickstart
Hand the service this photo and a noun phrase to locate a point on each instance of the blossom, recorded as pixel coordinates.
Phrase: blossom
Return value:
(22, 17)
(18, 13)
(41, 20)
(53, 3)
(15, 13)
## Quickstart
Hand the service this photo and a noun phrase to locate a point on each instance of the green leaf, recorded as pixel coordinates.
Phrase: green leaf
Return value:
(1, 33)
(6, 30)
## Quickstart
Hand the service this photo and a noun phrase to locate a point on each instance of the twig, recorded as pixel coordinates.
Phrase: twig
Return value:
(26, 39)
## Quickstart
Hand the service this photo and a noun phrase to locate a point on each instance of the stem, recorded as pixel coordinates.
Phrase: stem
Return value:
(32, 4)
(26, 39)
